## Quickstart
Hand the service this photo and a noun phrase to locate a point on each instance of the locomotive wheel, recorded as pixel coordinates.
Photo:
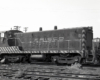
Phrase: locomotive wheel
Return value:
(77, 59)
(47, 59)
(2, 61)
(23, 60)
(83, 61)
(6, 61)
(30, 60)
(55, 60)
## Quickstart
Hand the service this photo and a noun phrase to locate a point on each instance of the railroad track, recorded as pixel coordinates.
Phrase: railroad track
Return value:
(57, 74)
(44, 72)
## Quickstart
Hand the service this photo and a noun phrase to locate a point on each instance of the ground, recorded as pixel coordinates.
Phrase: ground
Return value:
(20, 69)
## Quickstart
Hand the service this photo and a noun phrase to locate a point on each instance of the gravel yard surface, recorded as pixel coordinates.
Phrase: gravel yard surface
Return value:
(17, 71)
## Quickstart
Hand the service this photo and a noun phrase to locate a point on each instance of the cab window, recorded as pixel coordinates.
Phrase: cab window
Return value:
(2, 36)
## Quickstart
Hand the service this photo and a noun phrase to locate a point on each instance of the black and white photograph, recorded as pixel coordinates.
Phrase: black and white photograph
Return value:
(49, 39)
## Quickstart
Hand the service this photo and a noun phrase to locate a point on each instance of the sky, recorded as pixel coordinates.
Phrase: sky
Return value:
(48, 13)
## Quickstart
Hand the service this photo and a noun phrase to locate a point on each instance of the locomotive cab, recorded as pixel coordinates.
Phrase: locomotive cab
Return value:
(7, 38)
(8, 44)
(12, 41)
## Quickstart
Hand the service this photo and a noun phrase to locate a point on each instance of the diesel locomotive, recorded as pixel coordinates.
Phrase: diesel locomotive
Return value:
(58, 46)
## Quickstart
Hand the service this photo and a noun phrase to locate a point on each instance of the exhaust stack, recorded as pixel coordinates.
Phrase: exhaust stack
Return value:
(55, 27)
(40, 29)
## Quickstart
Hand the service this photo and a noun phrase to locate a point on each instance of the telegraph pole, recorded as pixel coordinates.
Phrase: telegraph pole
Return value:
(17, 27)
(25, 29)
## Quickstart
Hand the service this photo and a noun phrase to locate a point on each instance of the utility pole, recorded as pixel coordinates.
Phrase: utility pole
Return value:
(17, 27)
(25, 29)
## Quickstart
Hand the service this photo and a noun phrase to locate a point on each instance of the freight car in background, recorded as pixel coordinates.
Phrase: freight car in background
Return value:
(59, 46)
